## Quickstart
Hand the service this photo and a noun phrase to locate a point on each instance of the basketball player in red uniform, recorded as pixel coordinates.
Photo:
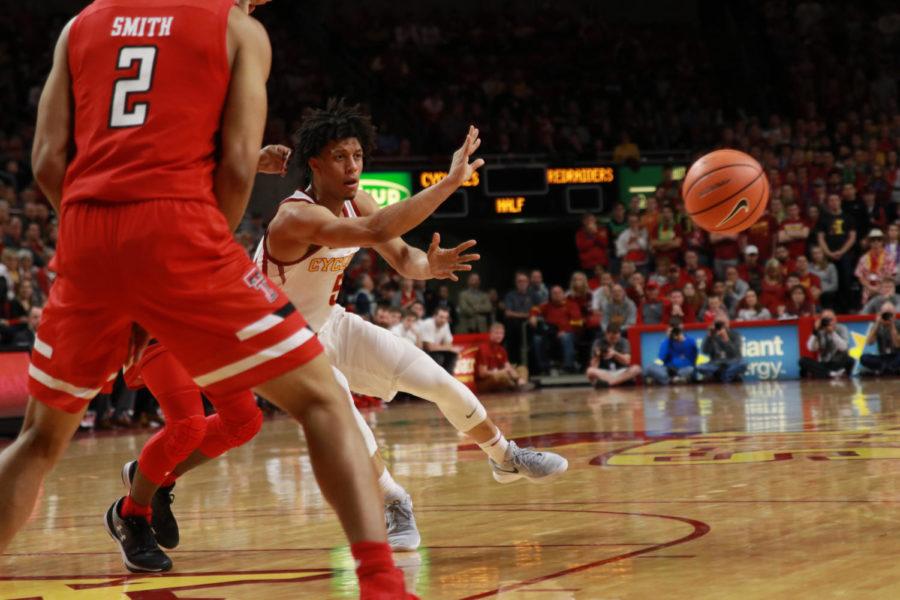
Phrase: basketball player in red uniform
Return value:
(321, 229)
(147, 143)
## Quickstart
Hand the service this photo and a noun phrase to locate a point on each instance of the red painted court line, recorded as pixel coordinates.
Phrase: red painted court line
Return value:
(699, 530)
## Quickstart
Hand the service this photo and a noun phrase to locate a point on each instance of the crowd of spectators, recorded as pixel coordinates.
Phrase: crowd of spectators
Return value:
(830, 238)
(566, 79)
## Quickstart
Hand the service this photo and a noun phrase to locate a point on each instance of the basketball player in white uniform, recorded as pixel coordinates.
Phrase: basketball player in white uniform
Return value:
(309, 243)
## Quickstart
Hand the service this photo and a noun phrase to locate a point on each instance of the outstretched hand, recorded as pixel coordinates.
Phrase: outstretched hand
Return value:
(460, 168)
(444, 263)
(273, 160)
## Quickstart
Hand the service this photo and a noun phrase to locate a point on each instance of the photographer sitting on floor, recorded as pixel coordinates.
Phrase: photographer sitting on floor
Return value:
(611, 360)
(884, 333)
(830, 340)
(678, 354)
(724, 347)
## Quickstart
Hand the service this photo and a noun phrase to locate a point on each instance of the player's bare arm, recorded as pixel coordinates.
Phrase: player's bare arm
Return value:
(244, 116)
(53, 133)
(298, 225)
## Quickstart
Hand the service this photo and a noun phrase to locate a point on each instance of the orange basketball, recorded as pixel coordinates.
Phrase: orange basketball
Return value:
(725, 191)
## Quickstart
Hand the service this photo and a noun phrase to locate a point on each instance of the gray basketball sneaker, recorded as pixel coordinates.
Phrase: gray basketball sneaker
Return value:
(403, 535)
(531, 464)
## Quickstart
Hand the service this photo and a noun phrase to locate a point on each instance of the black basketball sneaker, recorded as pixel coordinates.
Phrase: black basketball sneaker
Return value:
(140, 552)
(165, 527)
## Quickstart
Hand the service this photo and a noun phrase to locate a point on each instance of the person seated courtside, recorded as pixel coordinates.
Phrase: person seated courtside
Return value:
(677, 358)
(830, 341)
(611, 360)
(493, 371)
(724, 347)
(884, 333)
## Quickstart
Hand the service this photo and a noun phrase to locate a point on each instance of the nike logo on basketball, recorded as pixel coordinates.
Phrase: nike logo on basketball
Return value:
(742, 205)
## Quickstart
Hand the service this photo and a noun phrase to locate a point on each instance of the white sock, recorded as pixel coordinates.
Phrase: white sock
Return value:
(392, 490)
(496, 447)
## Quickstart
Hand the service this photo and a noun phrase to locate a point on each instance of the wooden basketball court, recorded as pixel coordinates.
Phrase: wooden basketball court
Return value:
(770, 490)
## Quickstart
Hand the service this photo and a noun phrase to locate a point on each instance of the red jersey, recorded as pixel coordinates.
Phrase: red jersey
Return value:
(565, 316)
(771, 295)
(725, 249)
(491, 355)
(593, 249)
(762, 235)
(810, 280)
(149, 82)
(796, 246)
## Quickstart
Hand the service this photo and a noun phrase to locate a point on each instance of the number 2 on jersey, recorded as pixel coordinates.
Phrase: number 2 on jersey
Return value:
(119, 114)
(335, 290)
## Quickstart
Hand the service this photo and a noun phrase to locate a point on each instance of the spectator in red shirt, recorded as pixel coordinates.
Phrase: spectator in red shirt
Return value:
(798, 304)
(665, 238)
(580, 293)
(714, 305)
(794, 232)
(751, 270)
(772, 288)
(725, 252)
(784, 258)
(556, 323)
(807, 278)
(762, 236)
(693, 302)
(675, 307)
(493, 371)
(592, 241)
(635, 288)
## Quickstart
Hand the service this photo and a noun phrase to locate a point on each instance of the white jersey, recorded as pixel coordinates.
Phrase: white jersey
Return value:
(313, 282)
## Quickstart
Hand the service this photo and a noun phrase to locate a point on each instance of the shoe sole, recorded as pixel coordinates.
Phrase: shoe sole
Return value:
(511, 477)
(405, 547)
(128, 564)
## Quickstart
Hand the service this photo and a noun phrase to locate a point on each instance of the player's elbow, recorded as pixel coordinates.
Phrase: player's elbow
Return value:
(48, 164)
(239, 165)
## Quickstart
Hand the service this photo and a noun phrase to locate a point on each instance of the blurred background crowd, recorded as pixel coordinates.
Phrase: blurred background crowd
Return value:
(597, 84)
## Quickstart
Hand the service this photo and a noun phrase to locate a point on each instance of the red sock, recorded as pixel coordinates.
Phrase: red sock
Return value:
(169, 481)
(130, 508)
(379, 579)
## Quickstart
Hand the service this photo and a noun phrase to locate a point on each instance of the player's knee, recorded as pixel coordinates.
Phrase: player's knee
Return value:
(241, 434)
(184, 436)
(45, 444)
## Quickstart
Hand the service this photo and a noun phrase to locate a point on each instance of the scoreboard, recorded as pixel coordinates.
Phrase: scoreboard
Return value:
(506, 191)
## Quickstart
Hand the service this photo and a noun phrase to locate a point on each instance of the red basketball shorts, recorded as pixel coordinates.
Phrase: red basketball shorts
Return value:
(174, 268)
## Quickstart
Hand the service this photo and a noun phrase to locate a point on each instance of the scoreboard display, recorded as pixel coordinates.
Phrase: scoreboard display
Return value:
(521, 191)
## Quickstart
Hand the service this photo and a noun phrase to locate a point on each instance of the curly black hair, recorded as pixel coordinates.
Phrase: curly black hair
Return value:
(337, 121)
